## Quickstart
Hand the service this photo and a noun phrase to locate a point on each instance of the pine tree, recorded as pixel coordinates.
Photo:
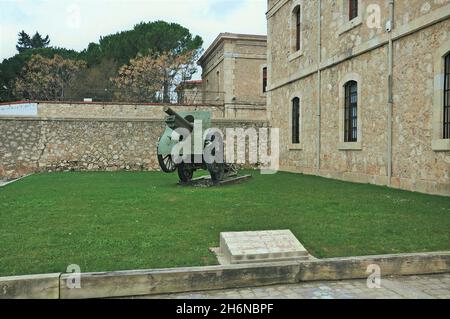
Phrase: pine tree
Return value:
(38, 42)
(24, 42)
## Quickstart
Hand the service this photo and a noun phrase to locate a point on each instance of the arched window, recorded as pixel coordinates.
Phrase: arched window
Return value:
(298, 28)
(352, 9)
(447, 97)
(296, 121)
(264, 80)
(351, 112)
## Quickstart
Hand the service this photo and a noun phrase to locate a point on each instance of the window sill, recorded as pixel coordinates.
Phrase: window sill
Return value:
(349, 25)
(295, 55)
(350, 146)
(442, 145)
(295, 147)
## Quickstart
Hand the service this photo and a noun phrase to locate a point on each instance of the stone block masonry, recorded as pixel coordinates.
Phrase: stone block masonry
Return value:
(261, 246)
(117, 110)
(30, 145)
(397, 122)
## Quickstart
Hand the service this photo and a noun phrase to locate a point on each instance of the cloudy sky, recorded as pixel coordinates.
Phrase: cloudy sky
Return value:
(75, 23)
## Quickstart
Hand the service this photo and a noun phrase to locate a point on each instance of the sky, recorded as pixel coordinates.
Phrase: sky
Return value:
(73, 24)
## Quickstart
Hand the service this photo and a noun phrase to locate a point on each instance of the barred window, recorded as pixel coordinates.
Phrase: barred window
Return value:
(353, 9)
(351, 112)
(298, 26)
(296, 121)
(447, 97)
(264, 80)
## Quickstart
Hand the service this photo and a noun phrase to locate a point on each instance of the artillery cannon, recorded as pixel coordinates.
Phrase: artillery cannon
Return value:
(193, 158)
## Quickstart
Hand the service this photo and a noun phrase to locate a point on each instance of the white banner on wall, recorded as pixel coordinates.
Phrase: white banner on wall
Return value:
(22, 109)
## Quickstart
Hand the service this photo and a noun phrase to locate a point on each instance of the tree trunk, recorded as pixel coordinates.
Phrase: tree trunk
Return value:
(166, 96)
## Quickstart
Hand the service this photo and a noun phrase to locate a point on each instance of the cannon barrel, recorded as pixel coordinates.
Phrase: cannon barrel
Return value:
(175, 120)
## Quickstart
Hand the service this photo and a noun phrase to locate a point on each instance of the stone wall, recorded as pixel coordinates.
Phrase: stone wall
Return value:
(139, 111)
(190, 93)
(116, 110)
(45, 145)
(353, 51)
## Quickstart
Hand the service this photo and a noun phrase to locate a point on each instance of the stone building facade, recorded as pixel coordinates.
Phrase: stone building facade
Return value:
(357, 88)
(233, 70)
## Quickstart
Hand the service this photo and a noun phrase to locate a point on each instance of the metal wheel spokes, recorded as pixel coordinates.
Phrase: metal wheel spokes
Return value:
(169, 163)
(166, 163)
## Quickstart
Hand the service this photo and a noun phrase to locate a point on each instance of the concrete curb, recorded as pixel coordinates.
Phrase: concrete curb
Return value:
(30, 287)
(390, 265)
(149, 282)
(161, 281)
(3, 184)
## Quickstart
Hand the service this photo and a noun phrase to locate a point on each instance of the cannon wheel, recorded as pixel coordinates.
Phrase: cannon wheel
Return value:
(185, 173)
(217, 172)
(166, 163)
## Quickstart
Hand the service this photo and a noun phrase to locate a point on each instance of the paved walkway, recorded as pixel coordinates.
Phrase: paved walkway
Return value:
(411, 287)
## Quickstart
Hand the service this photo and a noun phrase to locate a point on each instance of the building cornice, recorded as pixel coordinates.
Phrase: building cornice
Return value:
(277, 6)
(229, 36)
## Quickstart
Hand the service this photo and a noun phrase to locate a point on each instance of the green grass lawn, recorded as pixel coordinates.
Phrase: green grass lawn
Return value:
(118, 221)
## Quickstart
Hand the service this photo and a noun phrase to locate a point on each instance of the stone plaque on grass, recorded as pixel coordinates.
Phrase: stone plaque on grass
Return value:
(260, 246)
